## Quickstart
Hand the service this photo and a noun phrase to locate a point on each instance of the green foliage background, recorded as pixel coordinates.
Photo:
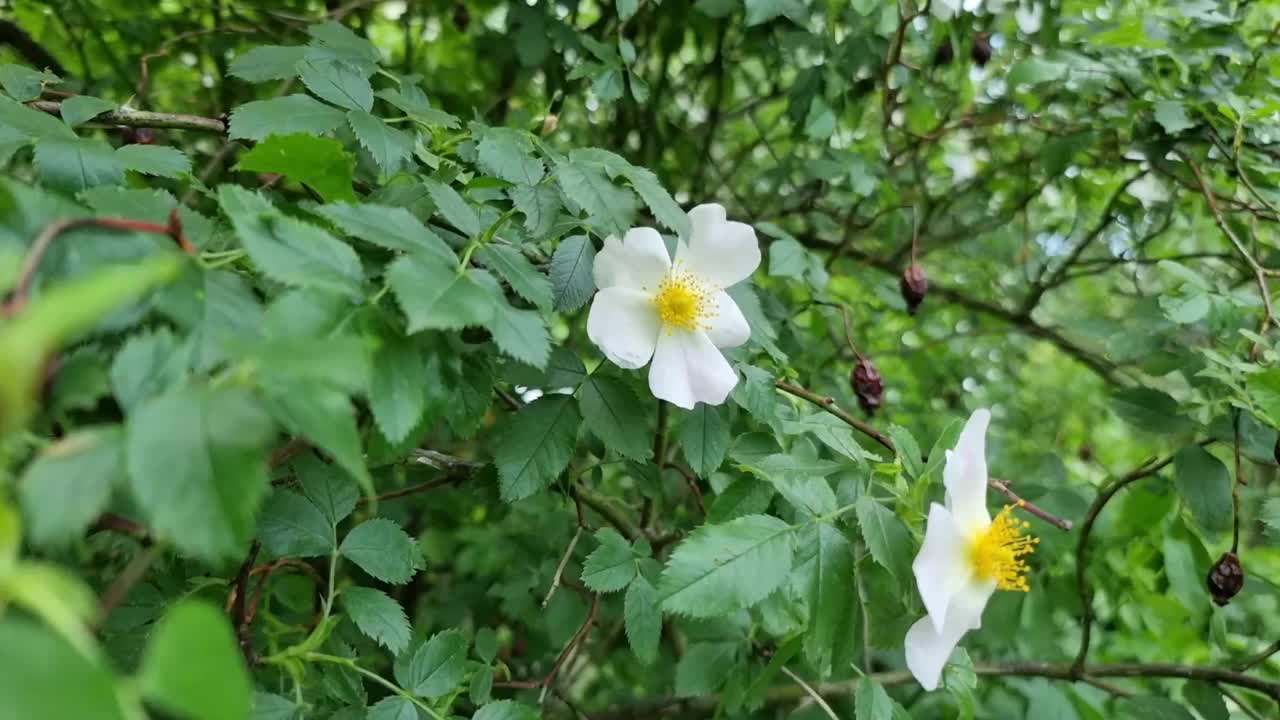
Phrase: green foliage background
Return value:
(311, 471)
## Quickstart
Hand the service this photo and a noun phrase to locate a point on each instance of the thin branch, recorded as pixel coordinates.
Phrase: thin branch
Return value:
(1002, 487)
(124, 582)
(128, 117)
(572, 645)
(564, 561)
(814, 694)
(1255, 660)
(240, 619)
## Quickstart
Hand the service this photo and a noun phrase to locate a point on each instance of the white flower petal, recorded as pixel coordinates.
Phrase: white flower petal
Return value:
(941, 568)
(720, 251)
(965, 474)
(928, 647)
(638, 261)
(729, 326)
(624, 325)
(688, 369)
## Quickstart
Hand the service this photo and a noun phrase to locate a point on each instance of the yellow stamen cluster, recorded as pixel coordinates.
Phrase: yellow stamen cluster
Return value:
(683, 301)
(997, 552)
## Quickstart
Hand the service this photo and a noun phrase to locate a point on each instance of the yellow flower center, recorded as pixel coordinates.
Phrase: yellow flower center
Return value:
(683, 301)
(996, 553)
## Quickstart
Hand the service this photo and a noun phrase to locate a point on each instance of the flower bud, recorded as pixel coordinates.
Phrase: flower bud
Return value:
(868, 385)
(1225, 579)
(550, 123)
(981, 52)
(914, 284)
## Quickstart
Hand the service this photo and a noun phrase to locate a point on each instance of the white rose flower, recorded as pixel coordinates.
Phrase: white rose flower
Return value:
(677, 314)
(965, 558)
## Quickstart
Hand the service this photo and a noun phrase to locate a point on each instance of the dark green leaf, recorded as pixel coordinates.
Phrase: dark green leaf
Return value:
(325, 417)
(642, 619)
(523, 277)
(292, 526)
(831, 596)
(571, 265)
(338, 82)
(393, 707)
(1149, 410)
(612, 565)
(704, 439)
(397, 394)
(378, 616)
(393, 228)
(155, 160)
(283, 116)
(327, 487)
(319, 163)
(535, 445)
(614, 414)
(508, 154)
(80, 109)
(75, 164)
(1151, 707)
(887, 538)
(1205, 485)
(454, 208)
(389, 146)
(439, 665)
(267, 62)
(435, 296)
(381, 549)
(720, 569)
(521, 335)
(505, 710)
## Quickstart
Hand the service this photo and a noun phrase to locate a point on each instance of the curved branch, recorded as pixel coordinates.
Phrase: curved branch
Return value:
(143, 118)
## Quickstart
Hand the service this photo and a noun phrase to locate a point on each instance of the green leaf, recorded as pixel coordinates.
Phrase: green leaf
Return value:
(705, 667)
(378, 616)
(454, 208)
(292, 526)
(155, 160)
(802, 483)
(319, 163)
(505, 710)
(339, 361)
(193, 665)
(762, 11)
(79, 109)
(887, 538)
(381, 549)
(1264, 392)
(1149, 410)
(908, 451)
(393, 707)
(607, 205)
(830, 596)
(535, 444)
(658, 200)
(486, 644)
(196, 467)
(1151, 707)
(439, 665)
(746, 496)
(521, 335)
(46, 677)
(1206, 699)
(393, 228)
(523, 277)
(642, 619)
(1271, 518)
(435, 296)
(327, 487)
(787, 258)
(1046, 702)
(283, 116)
(341, 41)
(508, 154)
(481, 688)
(615, 415)
(23, 83)
(540, 204)
(273, 707)
(268, 62)
(721, 569)
(75, 164)
(871, 702)
(289, 250)
(704, 439)
(612, 565)
(389, 146)
(324, 416)
(827, 428)
(338, 82)
(397, 393)
(1205, 486)
(571, 266)
(70, 483)
(147, 365)
(1172, 116)
(32, 123)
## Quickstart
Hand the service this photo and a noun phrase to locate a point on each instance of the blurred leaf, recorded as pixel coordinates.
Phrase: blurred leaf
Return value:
(193, 665)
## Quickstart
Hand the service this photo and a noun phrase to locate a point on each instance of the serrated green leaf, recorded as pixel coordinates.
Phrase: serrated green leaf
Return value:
(535, 444)
(283, 116)
(887, 538)
(871, 702)
(658, 200)
(434, 296)
(193, 665)
(506, 710)
(1206, 699)
(523, 277)
(377, 616)
(319, 163)
(32, 123)
(521, 335)
(612, 565)
(721, 569)
(1149, 410)
(287, 249)
(268, 62)
(324, 416)
(157, 160)
(336, 81)
(389, 146)
(196, 467)
(79, 109)
(439, 665)
(787, 258)
(481, 688)
(454, 208)
(607, 205)
(292, 526)
(508, 154)
(340, 361)
(75, 164)
(746, 496)
(908, 451)
(704, 439)
(539, 204)
(571, 266)
(397, 394)
(1205, 486)
(327, 487)
(642, 619)
(830, 595)
(486, 644)
(1172, 116)
(147, 365)
(70, 483)
(341, 41)
(23, 83)
(705, 668)
(616, 416)
(393, 228)
(392, 707)
(381, 549)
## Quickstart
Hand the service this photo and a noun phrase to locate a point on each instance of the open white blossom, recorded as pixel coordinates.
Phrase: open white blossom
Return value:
(677, 314)
(965, 558)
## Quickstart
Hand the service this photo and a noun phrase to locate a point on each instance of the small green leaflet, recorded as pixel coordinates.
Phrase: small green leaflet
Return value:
(268, 62)
(397, 394)
(439, 665)
(887, 538)
(327, 486)
(521, 335)
(290, 525)
(704, 439)
(454, 208)
(612, 565)
(381, 549)
(540, 204)
(506, 710)
(393, 228)
(75, 164)
(607, 205)
(323, 415)
(510, 263)
(642, 619)
(338, 82)
(155, 160)
(831, 595)
(32, 123)
(377, 616)
(571, 266)
(615, 415)
(23, 83)
(392, 707)
(705, 667)
(1205, 485)
(80, 109)
(70, 483)
(193, 667)
(535, 445)
(720, 569)
(319, 163)
(389, 146)
(435, 296)
(1172, 116)
(508, 154)
(283, 116)
(871, 702)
